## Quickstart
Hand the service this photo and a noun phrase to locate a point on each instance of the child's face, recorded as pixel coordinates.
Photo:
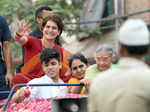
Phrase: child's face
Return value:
(52, 68)
(78, 69)
(103, 60)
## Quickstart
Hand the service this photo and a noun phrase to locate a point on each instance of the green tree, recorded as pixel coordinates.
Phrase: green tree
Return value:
(25, 9)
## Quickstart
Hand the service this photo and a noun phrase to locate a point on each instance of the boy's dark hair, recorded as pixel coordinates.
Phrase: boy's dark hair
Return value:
(49, 53)
(39, 11)
(79, 56)
(137, 50)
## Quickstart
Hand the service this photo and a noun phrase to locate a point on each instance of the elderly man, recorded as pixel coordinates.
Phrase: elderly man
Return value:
(125, 88)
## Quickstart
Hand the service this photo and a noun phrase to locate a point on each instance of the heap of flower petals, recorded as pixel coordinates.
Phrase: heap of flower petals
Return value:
(34, 105)
(37, 105)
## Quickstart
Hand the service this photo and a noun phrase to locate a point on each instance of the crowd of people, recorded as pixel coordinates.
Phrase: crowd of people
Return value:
(114, 85)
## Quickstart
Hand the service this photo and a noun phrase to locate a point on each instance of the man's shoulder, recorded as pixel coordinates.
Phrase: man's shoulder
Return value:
(135, 74)
(36, 33)
(131, 63)
(3, 20)
(91, 67)
(91, 71)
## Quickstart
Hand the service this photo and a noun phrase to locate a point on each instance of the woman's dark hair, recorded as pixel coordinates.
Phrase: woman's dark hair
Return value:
(57, 19)
(79, 56)
(137, 50)
(49, 53)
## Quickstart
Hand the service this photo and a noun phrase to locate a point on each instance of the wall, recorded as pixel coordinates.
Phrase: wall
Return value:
(138, 5)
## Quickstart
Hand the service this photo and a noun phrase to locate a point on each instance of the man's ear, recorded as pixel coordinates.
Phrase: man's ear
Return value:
(38, 20)
(123, 51)
(60, 65)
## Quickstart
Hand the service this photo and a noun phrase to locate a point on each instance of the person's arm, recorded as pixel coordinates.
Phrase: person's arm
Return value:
(26, 92)
(87, 83)
(20, 35)
(77, 89)
(74, 89)
(20, 95)
(6, 37)
(7, 59)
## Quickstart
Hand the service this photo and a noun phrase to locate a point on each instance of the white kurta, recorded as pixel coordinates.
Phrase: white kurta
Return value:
(125, 88)
(46, 91)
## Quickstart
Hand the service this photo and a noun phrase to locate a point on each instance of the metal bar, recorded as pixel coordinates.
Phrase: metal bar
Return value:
(109, 18)
(4, 92)
(22, 85)
(116, 13)
(102, 28)
(122, 7)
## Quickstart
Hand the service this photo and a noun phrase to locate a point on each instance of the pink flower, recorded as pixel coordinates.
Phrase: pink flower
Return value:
(85, 5)
(90, 10)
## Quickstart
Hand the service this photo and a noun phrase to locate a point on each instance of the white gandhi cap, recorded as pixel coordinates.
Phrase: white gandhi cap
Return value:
(134, 32)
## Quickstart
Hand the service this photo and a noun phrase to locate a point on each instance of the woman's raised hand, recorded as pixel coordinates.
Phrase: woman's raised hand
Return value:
(22, 28)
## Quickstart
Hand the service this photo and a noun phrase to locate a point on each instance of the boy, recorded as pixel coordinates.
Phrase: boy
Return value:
(50, 59)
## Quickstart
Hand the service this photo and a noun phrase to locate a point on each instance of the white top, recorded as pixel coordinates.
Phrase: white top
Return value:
(46, 91)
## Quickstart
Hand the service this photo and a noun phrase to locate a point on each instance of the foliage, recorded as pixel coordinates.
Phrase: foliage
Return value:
(25, 9)
(15, 47)
(92, 33)
(16, 52)
(9, 6)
